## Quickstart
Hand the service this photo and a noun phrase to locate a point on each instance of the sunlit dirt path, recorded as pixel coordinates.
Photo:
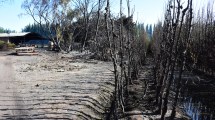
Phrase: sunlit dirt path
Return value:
(10, 102)
(48, 87)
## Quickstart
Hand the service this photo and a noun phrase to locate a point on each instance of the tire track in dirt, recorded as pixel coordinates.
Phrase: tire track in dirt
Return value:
(7, 83)
(34, 89)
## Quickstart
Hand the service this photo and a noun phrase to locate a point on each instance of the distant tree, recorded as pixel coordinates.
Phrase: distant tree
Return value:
(2, 30)
(36, 28)
(149, 30)
(86, 8)
(157, 38)
(57, 17)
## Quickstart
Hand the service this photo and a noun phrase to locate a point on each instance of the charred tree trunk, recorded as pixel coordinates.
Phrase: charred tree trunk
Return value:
(113, 56)
(174, 105)
(97, 27)
(183, 49)
(177, 19)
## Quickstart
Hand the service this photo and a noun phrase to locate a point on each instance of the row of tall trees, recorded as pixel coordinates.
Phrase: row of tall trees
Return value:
(172, 40)
(183, 42)
(202, 56)
(124, 47)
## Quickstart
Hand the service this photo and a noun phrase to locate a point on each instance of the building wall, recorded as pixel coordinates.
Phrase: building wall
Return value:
(25, 39)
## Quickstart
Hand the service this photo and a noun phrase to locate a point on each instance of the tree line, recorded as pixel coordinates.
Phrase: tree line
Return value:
(182, 42)
(3, 30)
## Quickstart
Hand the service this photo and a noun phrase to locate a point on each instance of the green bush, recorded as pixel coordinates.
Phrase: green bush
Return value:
(11, 45)
(2, 44)
(6, 46)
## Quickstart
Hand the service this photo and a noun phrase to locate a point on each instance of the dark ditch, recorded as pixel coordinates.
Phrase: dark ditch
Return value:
(198, 96)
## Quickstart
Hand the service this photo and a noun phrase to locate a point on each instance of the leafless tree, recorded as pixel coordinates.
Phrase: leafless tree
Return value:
(87, 8)
(95, 40)
(202, 44)
(172, 51)
(113, 56)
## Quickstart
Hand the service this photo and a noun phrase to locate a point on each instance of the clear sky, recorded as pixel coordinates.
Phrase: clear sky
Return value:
(10, 16)
(147, 11)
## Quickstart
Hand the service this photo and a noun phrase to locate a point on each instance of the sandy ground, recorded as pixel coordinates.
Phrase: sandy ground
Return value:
(54, 86)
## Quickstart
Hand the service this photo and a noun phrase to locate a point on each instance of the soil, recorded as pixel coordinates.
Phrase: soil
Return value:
(54, 86)
(70, 86)
(140, 103)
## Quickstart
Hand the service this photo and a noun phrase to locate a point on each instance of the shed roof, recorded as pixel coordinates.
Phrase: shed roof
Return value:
(14, 34)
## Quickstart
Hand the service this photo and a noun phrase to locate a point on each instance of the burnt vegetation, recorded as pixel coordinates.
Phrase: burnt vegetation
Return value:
(183, 43)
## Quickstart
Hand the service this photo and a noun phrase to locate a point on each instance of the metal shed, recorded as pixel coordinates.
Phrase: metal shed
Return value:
(28, 38)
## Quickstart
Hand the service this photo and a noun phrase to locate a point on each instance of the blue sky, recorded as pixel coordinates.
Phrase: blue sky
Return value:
(147, 11)
(10, 16)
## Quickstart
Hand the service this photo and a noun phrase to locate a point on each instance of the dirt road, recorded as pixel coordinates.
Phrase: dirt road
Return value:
(48, 87)
(10, 103)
